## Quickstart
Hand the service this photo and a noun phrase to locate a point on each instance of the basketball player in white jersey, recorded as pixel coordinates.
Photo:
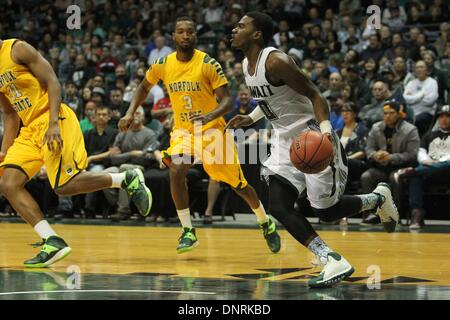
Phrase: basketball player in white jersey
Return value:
(291, 102)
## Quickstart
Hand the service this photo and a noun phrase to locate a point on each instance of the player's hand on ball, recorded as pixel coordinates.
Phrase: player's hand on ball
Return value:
(125, 122)
(52, 135)
(239, 121)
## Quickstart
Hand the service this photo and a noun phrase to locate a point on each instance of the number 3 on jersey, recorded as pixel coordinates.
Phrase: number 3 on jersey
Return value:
(187, 102)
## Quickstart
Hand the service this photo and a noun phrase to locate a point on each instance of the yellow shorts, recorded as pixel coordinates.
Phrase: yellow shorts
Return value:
(28, 154)
(215, 149)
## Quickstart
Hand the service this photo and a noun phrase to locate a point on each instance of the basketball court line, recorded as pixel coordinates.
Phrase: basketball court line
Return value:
(105, 291)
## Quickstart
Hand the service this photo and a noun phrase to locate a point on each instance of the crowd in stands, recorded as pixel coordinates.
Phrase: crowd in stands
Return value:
(388, 87)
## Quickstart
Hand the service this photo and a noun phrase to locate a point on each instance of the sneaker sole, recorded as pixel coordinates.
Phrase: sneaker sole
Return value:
(187, 249)
(332, 281)
(64, 252)
(389, 226)
(149, 193)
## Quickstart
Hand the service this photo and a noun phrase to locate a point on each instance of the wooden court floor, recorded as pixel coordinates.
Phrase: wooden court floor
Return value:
(132, 262)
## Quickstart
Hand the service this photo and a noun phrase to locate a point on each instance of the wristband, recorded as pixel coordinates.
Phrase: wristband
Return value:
(256, 114)
(325, 127)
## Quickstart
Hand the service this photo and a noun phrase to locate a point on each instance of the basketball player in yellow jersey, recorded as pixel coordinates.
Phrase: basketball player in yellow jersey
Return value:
(195, 83)
(30, 93)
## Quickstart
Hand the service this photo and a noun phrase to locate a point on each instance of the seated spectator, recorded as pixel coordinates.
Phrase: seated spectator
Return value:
(236, 79)
(138, 147)
(373, 112)
(335, 102)
(429, 57)
(98, 95)
(374, 51)
(82, 71)
(116, 106)
(160, 51)
(434, 166)
(392, 144)
(402, 76)
(162, 108)
(360, 88)
(421, 95)
(89, 116)
(353, 137)
(72, 99)
(370, 71)
(99, 147)
(334, 85)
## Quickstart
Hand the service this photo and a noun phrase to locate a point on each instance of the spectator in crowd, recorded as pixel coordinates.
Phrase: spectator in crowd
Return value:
(421, 95)
(434, 166)
(65, 69)
(336, 103)
(353, 137)
(444, 37)
(392, 144)
(98, 95)
(117, 107)
(138, 147)
(370, 71)
(236, 79)
(440, 76)
(89, 116)
(160, 51)
(402, 76)
(283, 28)
(163, 107)
(360, 88)
(82, 72)
(373, 112)
(71, 98)
(99, 147)
(394, 16)
(375, 50)
(334, 85)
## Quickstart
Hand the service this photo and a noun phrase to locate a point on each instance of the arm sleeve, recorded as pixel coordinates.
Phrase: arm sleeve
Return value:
(153, 74)
(214, 73)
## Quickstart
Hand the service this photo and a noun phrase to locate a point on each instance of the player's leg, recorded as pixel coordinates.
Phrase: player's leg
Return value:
(23, 160)
(12, 185)
(180, 196)
(67, 175)
(213, 194)
(282, 197)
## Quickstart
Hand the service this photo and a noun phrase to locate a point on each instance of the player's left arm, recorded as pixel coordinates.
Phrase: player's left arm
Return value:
(281, 67)
(25, 54)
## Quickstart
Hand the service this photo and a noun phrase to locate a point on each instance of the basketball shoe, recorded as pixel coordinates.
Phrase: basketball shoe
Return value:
(187, 241)
(271, 235)
(387, 211)
(53, 249)
(335, 270)
(134, 184)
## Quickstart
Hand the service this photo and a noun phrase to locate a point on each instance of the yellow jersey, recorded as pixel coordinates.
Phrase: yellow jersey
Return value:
(190, 86)
(21, 87)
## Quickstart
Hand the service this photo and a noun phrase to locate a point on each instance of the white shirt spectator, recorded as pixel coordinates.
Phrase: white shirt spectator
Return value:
(421, 96)
(158, 53)
(213, 15)
(276, 37)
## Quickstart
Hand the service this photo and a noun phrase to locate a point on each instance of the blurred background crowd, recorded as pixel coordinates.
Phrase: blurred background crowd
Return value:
(388, 87)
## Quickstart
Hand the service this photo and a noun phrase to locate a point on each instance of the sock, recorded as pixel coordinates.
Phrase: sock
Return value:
(117, 179)
(320, 249)
(260, 213)
(44, 230)
(185, 217)
(369, 201)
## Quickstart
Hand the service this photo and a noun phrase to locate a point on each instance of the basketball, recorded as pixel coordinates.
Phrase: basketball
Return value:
(311, 152)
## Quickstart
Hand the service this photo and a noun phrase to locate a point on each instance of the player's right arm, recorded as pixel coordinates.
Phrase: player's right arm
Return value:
(138, 99)
(152, 76)
(11, 124)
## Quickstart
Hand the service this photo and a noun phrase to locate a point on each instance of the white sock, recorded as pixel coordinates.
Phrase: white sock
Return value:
(260, 213)
(185, 217)
(117, 179)
(44, 230)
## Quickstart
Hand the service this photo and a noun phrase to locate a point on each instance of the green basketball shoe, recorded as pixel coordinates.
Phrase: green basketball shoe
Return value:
(134, 184)
(272, 237)
(53, 249)
(187, 241)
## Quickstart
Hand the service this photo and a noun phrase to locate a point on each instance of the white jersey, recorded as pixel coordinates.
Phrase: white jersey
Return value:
(291, 113)
(287, 110)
